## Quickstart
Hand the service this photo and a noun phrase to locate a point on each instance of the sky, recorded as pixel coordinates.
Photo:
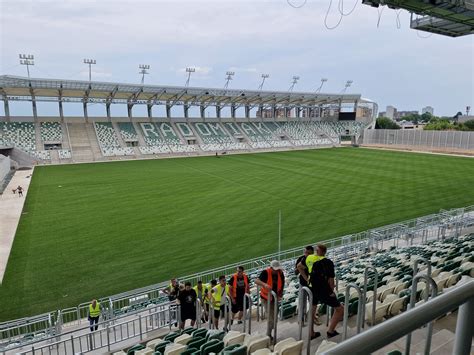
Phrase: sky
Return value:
(386, 60)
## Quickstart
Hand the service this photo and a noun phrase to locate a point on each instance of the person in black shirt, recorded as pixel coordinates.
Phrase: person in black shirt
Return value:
(172, 290)
(302, 259)
(187, 299)
(322, 286)
(239, 286)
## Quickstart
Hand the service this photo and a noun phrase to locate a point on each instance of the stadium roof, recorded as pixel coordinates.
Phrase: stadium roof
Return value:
(452, 18)
(21, 88)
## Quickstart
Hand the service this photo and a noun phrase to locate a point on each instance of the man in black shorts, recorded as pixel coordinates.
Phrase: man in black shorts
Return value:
(187, 300)
(239, 286)
(322, 285)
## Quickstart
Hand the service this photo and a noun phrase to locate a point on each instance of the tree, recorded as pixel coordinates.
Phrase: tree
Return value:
(385, 123)
(469, 125)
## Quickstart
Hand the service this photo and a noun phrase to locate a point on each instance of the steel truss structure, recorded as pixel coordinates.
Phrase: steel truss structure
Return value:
(14, 88)
(451, 18)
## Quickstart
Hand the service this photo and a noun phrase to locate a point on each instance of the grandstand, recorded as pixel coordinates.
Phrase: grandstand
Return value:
(65, 139)
(423, 262)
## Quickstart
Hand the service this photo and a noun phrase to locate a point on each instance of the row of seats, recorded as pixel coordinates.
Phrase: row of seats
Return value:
(192, 341)
(109, 142)
(23, 136)
(452, 262)
(51, 132)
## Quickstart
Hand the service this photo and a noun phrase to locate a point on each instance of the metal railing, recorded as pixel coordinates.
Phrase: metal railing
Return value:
(108, 334)
(305, 298)
(424, 260)
(360, 306)
(389, 331)
(445, 224)
(374, 299)
(247, 313)
(272, 295)
(433, 292)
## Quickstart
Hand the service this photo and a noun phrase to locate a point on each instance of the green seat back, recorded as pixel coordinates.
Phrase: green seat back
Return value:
(172, 336)
(213, 346)
(200, 333)
(134, 348)
(160, 347)
(241, 350)
(196, 343)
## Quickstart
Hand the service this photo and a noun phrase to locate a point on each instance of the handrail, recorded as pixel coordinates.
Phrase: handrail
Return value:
(374, 305)
(227, 305)
(360, 304)
(247, 312)
(417, 261)
(272, 294)
(358, 243)
(396, 327)
(305, 291)
(258, 304)
(83, 332)
(198, 313)
(434, 292)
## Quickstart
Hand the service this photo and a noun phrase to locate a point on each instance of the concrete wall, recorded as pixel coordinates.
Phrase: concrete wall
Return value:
(4, 166)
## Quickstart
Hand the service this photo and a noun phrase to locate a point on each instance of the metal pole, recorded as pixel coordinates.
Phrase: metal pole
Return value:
(279, 234)
(108, 339)
(258, 303)
(434, 292)
(140, 326)
(464, 329)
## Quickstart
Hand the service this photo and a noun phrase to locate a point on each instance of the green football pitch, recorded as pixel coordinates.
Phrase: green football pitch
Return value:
(93, 230)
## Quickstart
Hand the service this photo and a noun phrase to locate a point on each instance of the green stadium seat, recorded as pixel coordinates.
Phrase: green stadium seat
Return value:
(135, 348)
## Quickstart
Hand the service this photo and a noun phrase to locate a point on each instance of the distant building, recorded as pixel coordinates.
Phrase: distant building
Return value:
(427, 109)
(411, 125)
(401, 114)
(391, 112)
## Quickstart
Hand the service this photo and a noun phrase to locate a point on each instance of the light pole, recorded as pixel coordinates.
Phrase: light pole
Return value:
(27, 59)
(347, 85)
(293, 83)
(228, 78)
(143, 70)
(189, 70)
(264, 77)
(323, 80)
(90, 62)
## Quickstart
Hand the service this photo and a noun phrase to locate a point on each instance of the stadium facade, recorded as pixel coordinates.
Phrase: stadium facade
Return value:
(258, 120)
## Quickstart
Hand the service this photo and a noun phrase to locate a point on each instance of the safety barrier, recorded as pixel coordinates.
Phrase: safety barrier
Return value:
(417, 261)
(247, 313)
(390, 330)
(109, 333)
(304, 295)
(374, 306)
(431, 284)
(272, 295)
(360, 306)
(445, 224)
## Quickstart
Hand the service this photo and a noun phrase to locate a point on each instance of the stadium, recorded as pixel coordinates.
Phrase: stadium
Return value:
(195, 181)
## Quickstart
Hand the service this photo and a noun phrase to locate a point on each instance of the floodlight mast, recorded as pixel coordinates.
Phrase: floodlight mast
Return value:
(27, 59)
(323, 80)
(143, 70)
(90, 62)
(347, 85)
(189, 70)
(264, 77)
(293, 83)
(228, 78)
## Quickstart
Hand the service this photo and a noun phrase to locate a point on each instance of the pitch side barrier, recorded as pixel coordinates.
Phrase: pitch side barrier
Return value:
(445, 224)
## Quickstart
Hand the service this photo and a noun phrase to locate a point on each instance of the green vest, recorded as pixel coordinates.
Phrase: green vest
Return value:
(94, 312)
(219, 293)
(310, 260)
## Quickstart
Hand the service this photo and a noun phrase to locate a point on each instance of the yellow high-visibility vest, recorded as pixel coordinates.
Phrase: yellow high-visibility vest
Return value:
(310, 260)
(219, 293)
(94, 312)
(203, 291)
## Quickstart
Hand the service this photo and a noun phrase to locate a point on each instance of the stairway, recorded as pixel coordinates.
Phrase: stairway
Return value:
(80, 145)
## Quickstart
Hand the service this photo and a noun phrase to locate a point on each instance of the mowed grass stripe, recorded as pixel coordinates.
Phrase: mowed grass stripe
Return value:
(112, 227)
